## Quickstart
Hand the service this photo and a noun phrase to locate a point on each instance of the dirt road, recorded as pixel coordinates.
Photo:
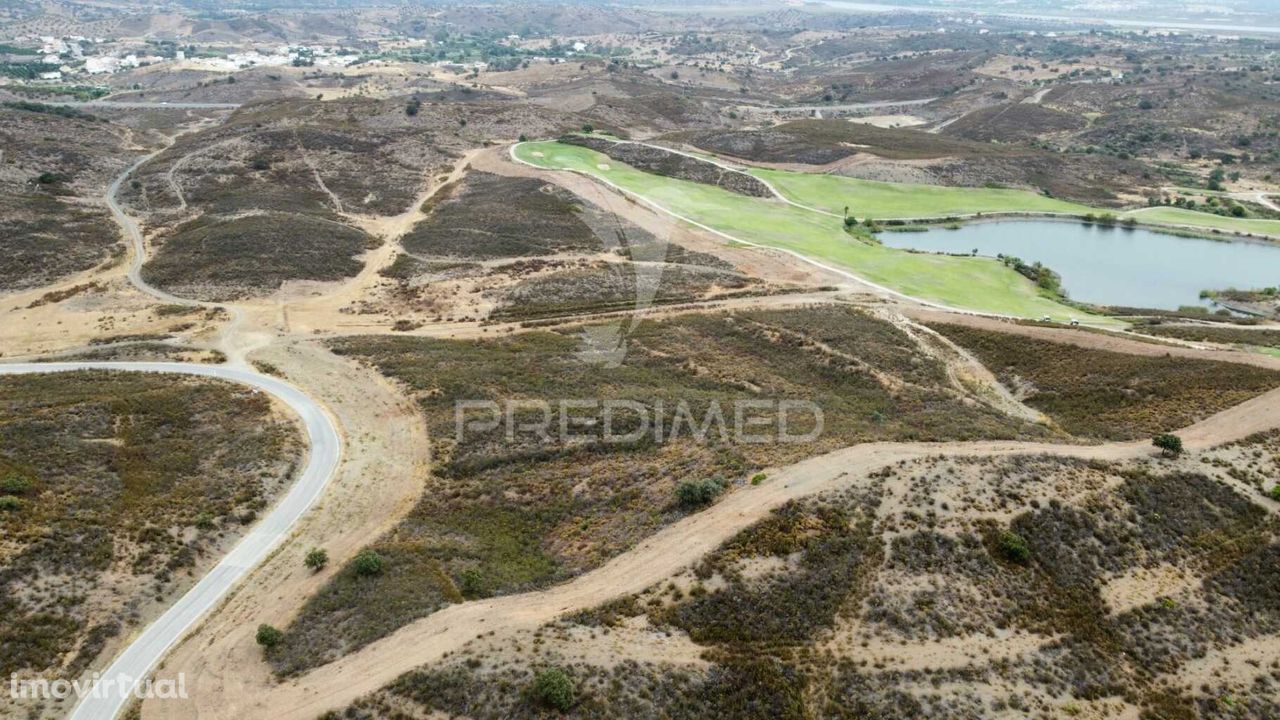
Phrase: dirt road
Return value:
(335, 685)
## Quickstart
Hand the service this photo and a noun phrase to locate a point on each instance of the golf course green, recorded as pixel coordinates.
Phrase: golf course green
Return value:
(1191, 218)
(970, 283)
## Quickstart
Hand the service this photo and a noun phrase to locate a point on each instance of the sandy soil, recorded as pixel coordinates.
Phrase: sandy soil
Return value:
(1143, 586)
(385, 460)
(387, 455)
(307, 308)
(661, 556)
(890, 121)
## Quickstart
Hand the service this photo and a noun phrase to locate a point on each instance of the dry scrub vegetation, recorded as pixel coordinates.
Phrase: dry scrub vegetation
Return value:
(1215, 334)
(955, 161)
(515, 248)
(55, 170)
(941, 588)
(267, 196)
(114, 489)
(1110, 395)
(503, 514)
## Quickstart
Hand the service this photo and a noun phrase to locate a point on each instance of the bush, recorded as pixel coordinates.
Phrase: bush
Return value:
(10, 503)
(317, 558)
(1170, 445)
(1013, 547)
(268, 636)
(1274, 494)
(471, 583)
(553, 689)
(694, 493)
(368, 563)
(14, 485)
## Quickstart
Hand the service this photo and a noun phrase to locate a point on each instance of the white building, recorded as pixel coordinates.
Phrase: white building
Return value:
(101, 64)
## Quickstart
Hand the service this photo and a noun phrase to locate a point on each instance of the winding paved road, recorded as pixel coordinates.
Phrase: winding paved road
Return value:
(142, 654)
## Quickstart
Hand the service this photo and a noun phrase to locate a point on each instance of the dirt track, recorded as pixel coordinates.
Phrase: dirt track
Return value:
(337, 684)
(387, 457)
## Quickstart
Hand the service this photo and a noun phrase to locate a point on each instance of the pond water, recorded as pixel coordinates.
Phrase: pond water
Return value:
(1112, 266)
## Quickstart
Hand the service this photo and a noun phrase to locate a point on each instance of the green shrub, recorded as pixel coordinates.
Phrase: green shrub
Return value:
(317, 558)
(1170, 445)
(9, 502)
(553, 689)
(471, 583)
(14, 485)
(368, 563)
(694, 493)
(1274, 494)
(758, 478)
(1013, 547)
(269, 636)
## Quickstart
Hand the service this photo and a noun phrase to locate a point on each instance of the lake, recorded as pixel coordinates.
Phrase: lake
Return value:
(1112, 266)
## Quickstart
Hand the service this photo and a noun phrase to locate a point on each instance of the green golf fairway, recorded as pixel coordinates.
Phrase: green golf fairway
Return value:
(882, 200)
(1192, 218)
(981, 284)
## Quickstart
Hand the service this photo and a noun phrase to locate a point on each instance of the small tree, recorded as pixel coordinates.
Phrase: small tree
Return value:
(1170, 445)
(317, 558)
(368, 563)
(693, 493)
(471, 583)
(1014, 547)
(553, 689)
(268, 636)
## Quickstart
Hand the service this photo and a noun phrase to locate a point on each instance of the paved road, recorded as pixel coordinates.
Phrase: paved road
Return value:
(147, 648)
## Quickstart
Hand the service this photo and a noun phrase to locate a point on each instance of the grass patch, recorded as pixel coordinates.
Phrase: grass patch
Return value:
(975, 283)
(1211, 221)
